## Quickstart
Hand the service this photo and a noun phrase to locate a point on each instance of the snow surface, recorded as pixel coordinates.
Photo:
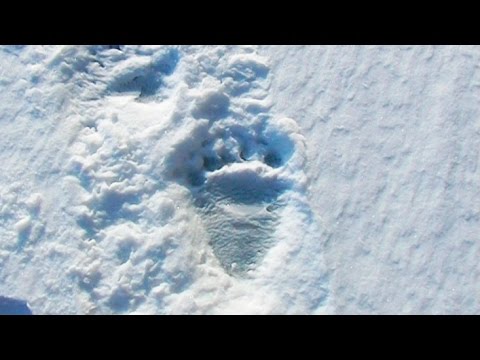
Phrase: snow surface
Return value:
(240, 179)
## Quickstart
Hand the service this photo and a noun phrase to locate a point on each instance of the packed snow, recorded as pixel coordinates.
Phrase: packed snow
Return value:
(239, 179)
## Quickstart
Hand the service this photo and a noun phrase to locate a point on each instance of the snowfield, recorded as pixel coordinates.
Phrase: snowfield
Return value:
(240, 179)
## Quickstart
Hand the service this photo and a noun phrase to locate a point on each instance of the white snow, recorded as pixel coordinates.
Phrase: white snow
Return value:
(240, 179)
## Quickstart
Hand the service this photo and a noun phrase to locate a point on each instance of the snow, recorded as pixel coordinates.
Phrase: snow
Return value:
(240, 179)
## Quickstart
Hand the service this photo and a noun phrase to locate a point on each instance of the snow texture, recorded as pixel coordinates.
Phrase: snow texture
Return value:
(240, 179)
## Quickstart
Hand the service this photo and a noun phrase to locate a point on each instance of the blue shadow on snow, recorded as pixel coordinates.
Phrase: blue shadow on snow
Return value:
(9, 306)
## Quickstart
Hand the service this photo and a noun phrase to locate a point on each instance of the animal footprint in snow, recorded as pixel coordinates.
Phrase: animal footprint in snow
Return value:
(143, 76)
(237, 176)
(238, 207)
